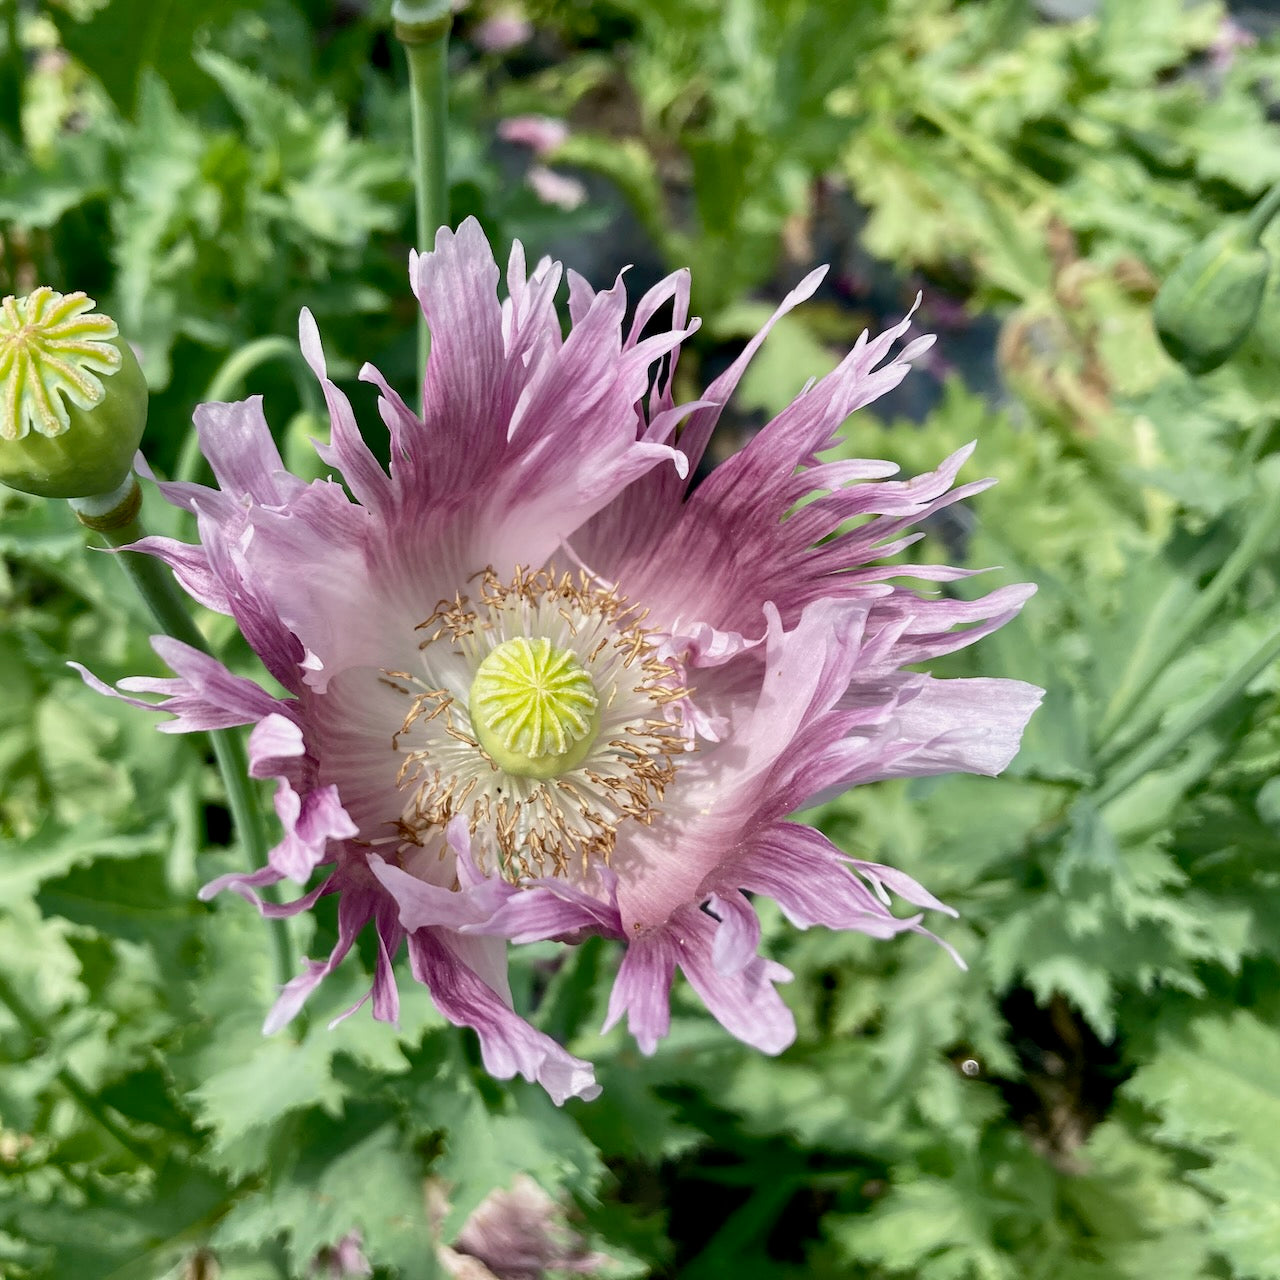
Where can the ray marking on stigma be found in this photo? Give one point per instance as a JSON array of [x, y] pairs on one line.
[[533, 707], [53, 349]]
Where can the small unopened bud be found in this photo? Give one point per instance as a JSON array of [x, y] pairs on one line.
[[73, 400], [1207, 307]]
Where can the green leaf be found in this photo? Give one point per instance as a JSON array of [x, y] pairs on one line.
[[54, 850], [1138, 1214], [130, 898], [126, 37], [485, 1148], [38, 191], [281, 1076], [112, 1232], [1217, 1092], [933, 1228], [1136, 41], [354, 1176], [247, 1089]]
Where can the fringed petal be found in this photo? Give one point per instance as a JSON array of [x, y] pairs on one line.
[[508, 1044]]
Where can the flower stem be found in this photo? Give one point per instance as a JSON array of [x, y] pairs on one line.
[[422, 27], [1263, 212], [72, 1083], [1153, 652], [230, 378], [1143, 761], [115, 518]]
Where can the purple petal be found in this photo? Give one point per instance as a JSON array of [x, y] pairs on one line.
[[204, 694], [508, 1044], [311, 820], [743, 1001], [237, 442], [642, 987], [810, 879], [357, 905], [347, 450], [553, 909], [190, 565], [969, 726], [889, 878], [428, 906], [736, 941], [274, 746]]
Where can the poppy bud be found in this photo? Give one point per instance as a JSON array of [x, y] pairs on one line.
[[1208, 306]]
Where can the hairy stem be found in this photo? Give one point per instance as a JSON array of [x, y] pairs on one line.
[[1164, 744], [1165, 638], [114, 518]]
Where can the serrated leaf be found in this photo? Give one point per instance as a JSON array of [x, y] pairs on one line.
[[1136, 41], [486, 1149], [280, 1077], [110, 1233], [38, 192], [54, 851], [247, 1088], [1218, 1092], [1142, 1218], [350, 1177], [130, 898], [932, 1228]]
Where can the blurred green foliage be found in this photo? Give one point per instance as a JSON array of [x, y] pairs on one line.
[[1096, 1097]]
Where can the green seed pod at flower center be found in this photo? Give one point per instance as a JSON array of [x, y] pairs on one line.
[[534, 708], [73, 401]]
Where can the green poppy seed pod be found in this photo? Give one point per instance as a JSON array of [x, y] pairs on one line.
[[1208, 306], [73, 400]]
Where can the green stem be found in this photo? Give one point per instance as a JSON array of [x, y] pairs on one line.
[[422, 27], [148, 40], [230, 378], [72, 1083], [744, 1227], [1260, 217], [115, 518], [984, 152], [12, 74], [1255, 441], [1152, 654], [1143, 761], [242, 362]]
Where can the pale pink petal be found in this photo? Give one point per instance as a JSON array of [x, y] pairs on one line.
[[508, 1044], [641, 989], [743, 999]]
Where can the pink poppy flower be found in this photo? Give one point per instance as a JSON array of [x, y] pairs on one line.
[[539, 685]]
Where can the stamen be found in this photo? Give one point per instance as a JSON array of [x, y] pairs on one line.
[[543, 716]]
